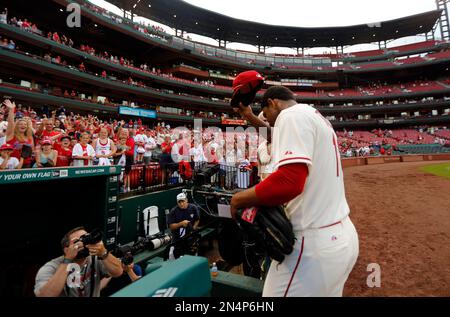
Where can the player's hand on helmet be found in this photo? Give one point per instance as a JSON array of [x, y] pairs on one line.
[[244, 111]]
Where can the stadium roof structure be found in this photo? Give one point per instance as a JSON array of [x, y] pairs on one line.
[[184, 16]]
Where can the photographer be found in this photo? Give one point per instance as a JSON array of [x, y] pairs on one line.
[[131, 273], [182, 220], [79, 271]]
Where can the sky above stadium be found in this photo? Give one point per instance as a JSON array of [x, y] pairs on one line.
[[311, 13], [308, 13]]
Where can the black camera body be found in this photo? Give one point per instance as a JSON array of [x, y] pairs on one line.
[[127, 258], [94, 237], [203, 176]]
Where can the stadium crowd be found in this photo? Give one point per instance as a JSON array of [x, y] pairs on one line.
[[372, 89], [62, 138], [59, 138]]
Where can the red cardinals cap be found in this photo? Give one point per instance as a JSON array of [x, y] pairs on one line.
[[46, 141], [6, 146], [245, 87]]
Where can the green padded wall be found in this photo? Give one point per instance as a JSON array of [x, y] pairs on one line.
[[227, 284], [129, 207], [187, 276]]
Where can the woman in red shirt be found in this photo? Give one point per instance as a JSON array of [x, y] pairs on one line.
[[20, 135]]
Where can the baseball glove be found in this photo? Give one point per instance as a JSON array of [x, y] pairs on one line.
[[270, 230]]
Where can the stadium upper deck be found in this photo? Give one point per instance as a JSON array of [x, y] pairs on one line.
[[183, 16], [355, 90]]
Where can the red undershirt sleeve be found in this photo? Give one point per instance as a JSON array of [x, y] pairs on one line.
[[283, 185]]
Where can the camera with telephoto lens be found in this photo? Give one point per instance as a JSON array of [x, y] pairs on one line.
[[125, 253], [94, 237]]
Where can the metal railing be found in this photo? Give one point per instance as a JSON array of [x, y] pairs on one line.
[[228, 177], [145, 178]]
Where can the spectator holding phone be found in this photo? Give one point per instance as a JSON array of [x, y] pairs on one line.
[[6, 161], [19, 135], [83, 153]]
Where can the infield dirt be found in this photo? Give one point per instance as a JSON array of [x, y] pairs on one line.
[[402, 216]]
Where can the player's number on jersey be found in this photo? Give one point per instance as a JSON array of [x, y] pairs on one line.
[[335, 142]]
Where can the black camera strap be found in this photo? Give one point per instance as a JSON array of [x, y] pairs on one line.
[[91, 293]]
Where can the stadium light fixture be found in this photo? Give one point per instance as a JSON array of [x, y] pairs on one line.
[[134, 6]]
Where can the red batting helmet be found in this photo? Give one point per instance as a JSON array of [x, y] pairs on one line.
[[245, 87]]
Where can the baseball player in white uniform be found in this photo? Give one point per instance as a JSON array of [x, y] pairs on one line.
[[308, 180]]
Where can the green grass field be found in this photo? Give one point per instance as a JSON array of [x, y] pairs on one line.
[[439, 170]]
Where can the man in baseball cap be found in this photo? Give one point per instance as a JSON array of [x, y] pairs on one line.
[[182, 220], [181, 197]]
